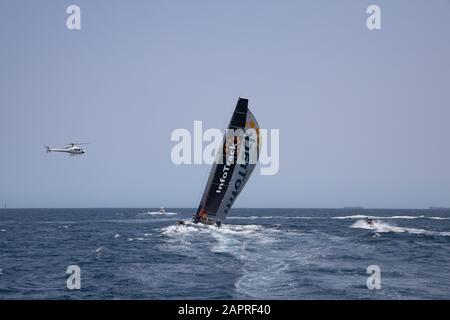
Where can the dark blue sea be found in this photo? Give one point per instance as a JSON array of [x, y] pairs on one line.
[[257, 254]]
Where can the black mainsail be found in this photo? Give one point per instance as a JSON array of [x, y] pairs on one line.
[[232, 167]]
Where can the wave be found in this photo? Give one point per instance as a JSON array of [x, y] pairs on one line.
[[274, 217], [357, 216], [190, 227], [136, 239], [157, 213], [360, 216], [58, 222], [382, 227]]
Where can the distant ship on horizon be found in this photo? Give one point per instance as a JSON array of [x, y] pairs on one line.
[[438, 208]]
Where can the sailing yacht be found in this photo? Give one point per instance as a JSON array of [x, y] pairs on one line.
[[232, 168]]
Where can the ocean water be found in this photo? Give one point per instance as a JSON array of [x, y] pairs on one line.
[[257, 254]]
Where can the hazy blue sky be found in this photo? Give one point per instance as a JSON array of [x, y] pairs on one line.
[[364, 116]]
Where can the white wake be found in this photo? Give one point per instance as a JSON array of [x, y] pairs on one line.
[[381, 227]]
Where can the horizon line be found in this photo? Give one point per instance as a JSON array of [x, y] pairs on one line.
[[194, 208]]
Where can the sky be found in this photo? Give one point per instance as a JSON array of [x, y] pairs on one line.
[[363, 114]]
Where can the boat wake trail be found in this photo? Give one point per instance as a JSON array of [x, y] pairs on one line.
[[262, 267], [264, 258], [190, 228], [380, 227]]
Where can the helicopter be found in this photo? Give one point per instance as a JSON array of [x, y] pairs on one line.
[[72, 149]]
